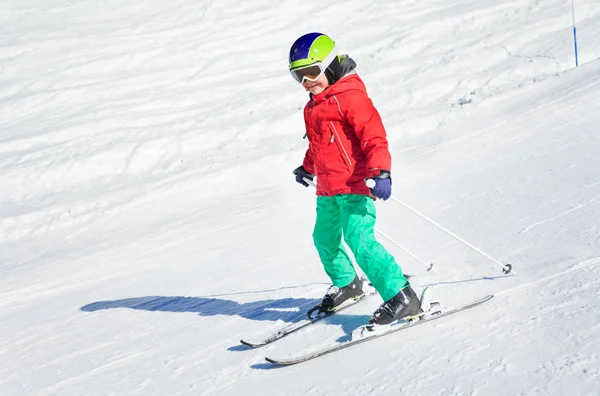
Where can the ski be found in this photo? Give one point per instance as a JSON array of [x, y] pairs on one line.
[[302, 321], [389, 330]]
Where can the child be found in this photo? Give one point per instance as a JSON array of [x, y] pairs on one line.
[[347, 145]]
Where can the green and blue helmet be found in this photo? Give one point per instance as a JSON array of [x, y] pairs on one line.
[[311, 55]]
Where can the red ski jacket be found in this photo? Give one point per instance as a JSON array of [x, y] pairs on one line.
[[347, 140]]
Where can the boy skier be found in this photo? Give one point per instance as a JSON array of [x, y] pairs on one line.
[[347, 145]]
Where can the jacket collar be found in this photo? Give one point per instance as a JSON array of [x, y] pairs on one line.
[[347, 82]]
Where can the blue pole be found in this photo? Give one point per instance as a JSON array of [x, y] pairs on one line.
[[575, 40], [575, 34]]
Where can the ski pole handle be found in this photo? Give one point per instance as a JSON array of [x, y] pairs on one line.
[[370, 183], [309, 182]]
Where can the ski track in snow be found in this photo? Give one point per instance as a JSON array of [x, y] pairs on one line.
[[149, 218]]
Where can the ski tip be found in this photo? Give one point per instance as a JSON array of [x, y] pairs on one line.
[[277, 362], [251, 344], [484, 299]]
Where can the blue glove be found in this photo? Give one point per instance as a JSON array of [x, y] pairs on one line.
[[383, 185], [301, 173]]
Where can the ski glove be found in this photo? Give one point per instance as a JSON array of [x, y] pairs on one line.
[[301, 173], [383, 185]]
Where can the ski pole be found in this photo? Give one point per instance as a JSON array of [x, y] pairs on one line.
[[575, 34], [428, 267], [506, 268]]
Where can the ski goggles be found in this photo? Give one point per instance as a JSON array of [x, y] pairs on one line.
[[313, 71]]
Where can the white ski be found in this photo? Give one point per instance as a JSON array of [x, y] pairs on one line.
[[363, 334], [302, 321]]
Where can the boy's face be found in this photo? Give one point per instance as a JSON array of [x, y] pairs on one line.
[[316, 87]]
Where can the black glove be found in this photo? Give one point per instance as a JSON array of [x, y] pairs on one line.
[[301, 173]]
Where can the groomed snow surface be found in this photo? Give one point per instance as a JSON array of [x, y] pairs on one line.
[[149, 218]]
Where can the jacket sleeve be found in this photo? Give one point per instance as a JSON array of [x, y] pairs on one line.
[[368, 126], [309, 162]]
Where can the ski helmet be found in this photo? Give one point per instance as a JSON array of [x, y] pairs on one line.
[[315, 49]]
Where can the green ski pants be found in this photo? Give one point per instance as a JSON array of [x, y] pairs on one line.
[[352, 217]]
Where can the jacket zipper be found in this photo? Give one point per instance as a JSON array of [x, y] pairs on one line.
[[340, 145]]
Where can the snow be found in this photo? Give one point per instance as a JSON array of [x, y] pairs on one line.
[[149, 218]]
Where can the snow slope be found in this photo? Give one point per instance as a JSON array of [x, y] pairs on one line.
[[149, 219]]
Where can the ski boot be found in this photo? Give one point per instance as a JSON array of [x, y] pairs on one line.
[[403, 305], [336, 297]]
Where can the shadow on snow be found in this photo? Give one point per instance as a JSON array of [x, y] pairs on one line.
[[285, 309]]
